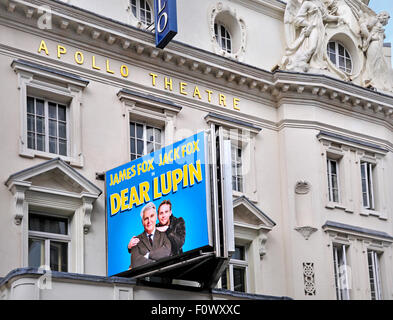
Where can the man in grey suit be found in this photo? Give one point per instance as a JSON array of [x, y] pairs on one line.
[[151, 245]]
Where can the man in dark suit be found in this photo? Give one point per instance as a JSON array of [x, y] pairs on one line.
[[175, 228], [151, 245]]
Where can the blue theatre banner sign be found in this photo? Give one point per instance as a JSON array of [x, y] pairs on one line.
[[134, 192], [165, 17]]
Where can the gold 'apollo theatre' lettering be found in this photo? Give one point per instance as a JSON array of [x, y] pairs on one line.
[[105, 65], [79, 58], [168, 84]]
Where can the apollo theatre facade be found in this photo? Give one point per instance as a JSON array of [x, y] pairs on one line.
[[301, 91]]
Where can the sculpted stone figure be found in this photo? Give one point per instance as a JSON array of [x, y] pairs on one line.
[[376, 71], [305, 32]]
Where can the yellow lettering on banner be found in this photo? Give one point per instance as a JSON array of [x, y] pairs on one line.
[[185, 176], [176, 153], [166, 183], [157, 194], [79, 58], [123, 175], [177, 176], [134, 199], [168, 84], [209, 95], [108, 68], [183, 86], [143, 192], [236, 103], [153, 78], [195, 146], [197, 93], [61, 50], [195, 173], [166, 187], [124, 71], [115, 204], [93, 64], [43, 47], [133, 171], [222, 100], [124, 198]]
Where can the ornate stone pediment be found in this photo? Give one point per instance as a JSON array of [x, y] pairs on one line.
[[247, 214], [252, 221], [53, 182], [340, 38]]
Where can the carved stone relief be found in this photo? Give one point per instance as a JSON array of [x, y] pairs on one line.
[[304, 209], [311, 24], [309, 279]]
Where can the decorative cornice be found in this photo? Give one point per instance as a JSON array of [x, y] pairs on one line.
[[34, 68], [360, 232], [179, 57], [148, 99], [324, 135], [231, 122], [271, 8]]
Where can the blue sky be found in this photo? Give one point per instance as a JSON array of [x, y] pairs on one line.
[[387, 5]]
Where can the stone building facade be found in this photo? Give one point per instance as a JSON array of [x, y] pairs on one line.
[[303, 90]]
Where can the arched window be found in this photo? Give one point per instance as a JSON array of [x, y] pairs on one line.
[[339, 56], [141, 9], [223, 37]]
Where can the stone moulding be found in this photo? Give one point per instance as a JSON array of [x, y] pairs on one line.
[[306, 231], [250, 81]]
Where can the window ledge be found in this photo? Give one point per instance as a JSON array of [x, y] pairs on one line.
[[374, 213], [30, 153], [337, 205]]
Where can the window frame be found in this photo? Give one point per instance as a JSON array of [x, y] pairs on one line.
[[145, 124], [246, 136], [137, 17], [330, 180], [147, 109], [238, 174], [237, 143], [227, 37], [48, 84], [341, 293], [338, 55], [376, 270], [241, 264], [46, 130], [368, 169], [49, 237]]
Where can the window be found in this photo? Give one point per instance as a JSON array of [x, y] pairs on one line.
[[339, 56], [47, 126], [141, 10], [236, 157], [375, 275], [235, 276], [341, 274], [367, 185], [333, 185], [242, 136], [237, 176], [223, 37], [49, 240], [50, 109], [144, 139]]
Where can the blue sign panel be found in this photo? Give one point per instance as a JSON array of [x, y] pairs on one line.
[[157, 205], [165, 17]]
